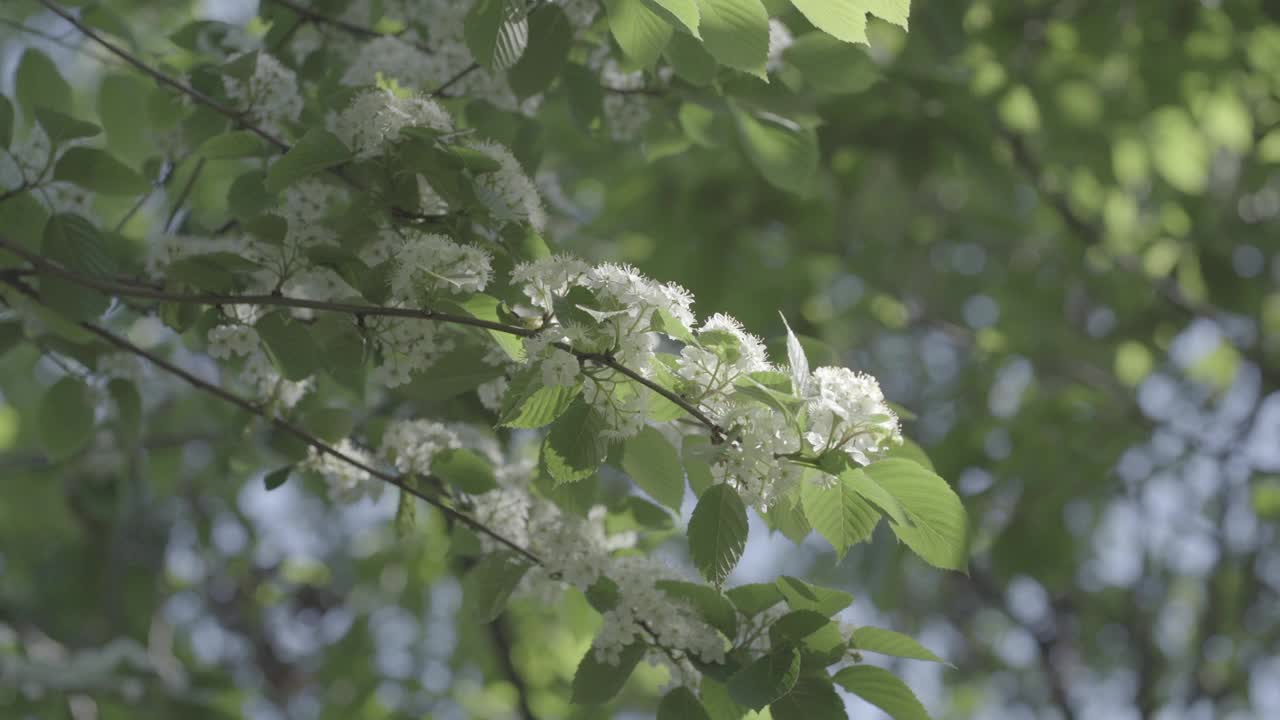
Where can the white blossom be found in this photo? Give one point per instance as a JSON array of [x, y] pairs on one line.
[[347, 483], [270, 94], [374, 119], [429, 263], [410, 444], [847, 411], [508, 192]]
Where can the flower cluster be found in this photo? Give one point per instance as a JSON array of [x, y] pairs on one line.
[[269, 95], [374, 119]]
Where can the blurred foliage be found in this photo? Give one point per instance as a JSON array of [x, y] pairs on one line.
[[1048, 227]]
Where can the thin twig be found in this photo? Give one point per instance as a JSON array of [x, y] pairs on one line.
[[348, 27]]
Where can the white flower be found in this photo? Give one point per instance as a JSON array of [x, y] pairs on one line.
[[847, 411], [547, 278], [780, 39], [560, 368], [347, 483], [374, 119], [227, 341], [270, 95], [491, 394], [508, 192], [406, 345], [427, 263], [410, 444]]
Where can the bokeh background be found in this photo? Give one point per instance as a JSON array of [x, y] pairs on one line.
[[1049, 228]]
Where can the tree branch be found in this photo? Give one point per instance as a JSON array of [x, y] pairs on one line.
[[45, 266], [339, 23]]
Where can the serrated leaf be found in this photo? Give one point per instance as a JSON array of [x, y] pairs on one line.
[[289, 345], [487, 307], [712, 605], [767, 679], [831, 66], [716, 699], [682, 13], [597, 682], [718, 532], [812, 698], [316, 151], [736, 33], [888, 642], [66, 418], [681, 704], [96, 170], [938, 532], [496, 32], [754, 598], [785, 153], [550, 40], [464, 469], [690, 60], [276, 478], [847, 20], [874, 493], [529, 404], [640, 32], [839, 513], [655, 466], [490, 583], [574, 448], [801, 595], [74, 243], [882, 689]]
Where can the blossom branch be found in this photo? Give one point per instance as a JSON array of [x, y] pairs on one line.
[[45, 266]]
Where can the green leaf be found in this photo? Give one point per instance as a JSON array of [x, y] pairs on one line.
[[289, 345], [681, 704], [597, 682], [22, 221], [129, 134], [490, 583], [464, 469], [128, 408], [406, 514], [496, 32], [754, 598], [812, 698], [795, 626], [61, 128], [847, 20], [655, 466], [641, 33], [487, 307], [66, 418], [38, 83], [317, 150], [736, 33], [683, 13], [938, 532], [767, 679], [276, 478], [529, 404], [831, 66], [838, 513], [785, 153], [235, 144], [873, 492], [882, 689], [574, 448], [6, 122], [695, 451], [97, 170], [718, 532], [716, 699], [800, 595], [690, 60], [713, 606], [458, 372], [74, 243], [888, 642], [550, 40]]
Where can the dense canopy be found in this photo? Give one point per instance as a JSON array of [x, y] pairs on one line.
[[706, 359]]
